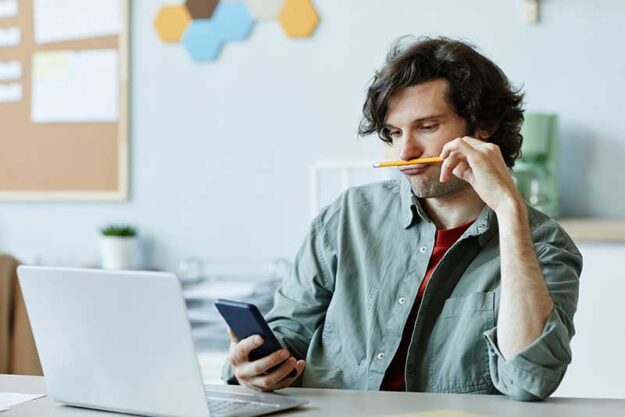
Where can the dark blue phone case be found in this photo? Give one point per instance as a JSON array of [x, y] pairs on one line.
[[245, 320]]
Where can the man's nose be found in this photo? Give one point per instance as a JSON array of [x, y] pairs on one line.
[[410, 148]]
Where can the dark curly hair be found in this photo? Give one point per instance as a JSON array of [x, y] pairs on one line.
[[478, 90]]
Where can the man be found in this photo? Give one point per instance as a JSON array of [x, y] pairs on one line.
[[443, 281]]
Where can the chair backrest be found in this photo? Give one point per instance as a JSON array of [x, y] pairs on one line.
[[18, 353], [344, 174]]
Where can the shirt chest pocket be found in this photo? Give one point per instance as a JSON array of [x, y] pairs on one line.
[[457, 355]]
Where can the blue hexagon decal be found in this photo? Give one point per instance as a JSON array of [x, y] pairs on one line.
[[234, 21], [202, 40]]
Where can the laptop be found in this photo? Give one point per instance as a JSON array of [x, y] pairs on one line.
[[120, 341]]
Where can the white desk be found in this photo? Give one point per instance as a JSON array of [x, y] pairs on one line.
[[353, 403]]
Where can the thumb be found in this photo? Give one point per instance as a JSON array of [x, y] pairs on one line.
[[233, 338]]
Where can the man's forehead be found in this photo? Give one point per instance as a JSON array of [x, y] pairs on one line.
[[419, 101]]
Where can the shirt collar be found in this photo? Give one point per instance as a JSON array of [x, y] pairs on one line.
[[411, 206], [412, 212], [409, 202]]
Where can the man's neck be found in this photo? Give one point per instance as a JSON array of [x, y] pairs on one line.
[[455, 209]]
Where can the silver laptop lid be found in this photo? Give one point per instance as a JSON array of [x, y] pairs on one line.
[[114, 340]]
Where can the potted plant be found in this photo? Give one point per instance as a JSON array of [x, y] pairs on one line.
[[118, 243]]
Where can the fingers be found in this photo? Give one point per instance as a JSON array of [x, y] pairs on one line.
[[240, 352], [287, 382], [470, 147], [462, 154], [463, 171], [450, 163], [480, 164], [459, 145], [268, 382], [473, 142], [252, 369]]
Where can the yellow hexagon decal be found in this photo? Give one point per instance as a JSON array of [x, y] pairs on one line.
[[171, 22], [298, 18]]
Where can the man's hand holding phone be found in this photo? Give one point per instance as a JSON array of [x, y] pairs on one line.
[[267, 373]]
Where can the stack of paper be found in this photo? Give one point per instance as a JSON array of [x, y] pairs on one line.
[[207, 326], [10, 399]]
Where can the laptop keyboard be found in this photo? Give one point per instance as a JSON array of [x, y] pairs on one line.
[[221, 407]]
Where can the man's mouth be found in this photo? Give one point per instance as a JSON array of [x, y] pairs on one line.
[[417, 169]]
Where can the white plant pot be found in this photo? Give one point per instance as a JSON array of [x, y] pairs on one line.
[[118, 252]]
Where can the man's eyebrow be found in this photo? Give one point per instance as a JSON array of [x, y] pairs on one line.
[[418, 120]]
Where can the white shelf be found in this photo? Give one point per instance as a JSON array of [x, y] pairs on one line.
[[594, 230]]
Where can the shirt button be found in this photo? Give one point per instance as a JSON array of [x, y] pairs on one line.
[[422, 249], [381, 355], [401, 300]]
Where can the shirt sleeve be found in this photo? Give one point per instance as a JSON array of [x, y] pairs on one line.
[[301, 301], [536, 372]]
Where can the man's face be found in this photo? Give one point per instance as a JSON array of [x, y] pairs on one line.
[[420, 122]]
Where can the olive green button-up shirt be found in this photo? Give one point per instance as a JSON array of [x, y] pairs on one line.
[[345, 303]]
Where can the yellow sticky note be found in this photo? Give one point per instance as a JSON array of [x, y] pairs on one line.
[[440, 413], [52, 64]]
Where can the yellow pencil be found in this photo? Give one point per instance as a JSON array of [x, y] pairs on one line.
[[411, 162]]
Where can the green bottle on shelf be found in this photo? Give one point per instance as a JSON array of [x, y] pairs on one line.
[[535, 173]]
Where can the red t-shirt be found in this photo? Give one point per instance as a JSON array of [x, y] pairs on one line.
[[394, 378]]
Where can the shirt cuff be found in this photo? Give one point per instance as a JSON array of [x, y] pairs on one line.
[[227, 374], [535, 372]]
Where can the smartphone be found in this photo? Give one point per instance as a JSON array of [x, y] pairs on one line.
[[245, 320]]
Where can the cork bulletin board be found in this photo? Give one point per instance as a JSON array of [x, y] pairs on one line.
[[46, 157]]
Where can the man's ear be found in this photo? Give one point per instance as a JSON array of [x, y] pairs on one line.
[[485, 134]]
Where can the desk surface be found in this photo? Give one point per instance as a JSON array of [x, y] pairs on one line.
[[352, 403]]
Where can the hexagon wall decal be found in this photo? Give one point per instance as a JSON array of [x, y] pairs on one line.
[[265, 9], [204, 26], [202, 40], [233, 21], [201, 9], [171, 22], [298, 18]]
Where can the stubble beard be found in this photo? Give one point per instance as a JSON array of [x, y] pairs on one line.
[[428, 185]]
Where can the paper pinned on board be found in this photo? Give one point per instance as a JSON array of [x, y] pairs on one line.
[[10, 93], [10, 70], [75, 86], [63, 20], [8, 8], [10, 399], [10, 36]]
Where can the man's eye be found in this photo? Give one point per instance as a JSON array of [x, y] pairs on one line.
[[429, 127], [394, 134]]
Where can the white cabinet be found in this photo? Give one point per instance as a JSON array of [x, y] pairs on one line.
[[598, 367]]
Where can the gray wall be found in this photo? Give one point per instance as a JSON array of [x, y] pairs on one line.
[[220, 152]]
